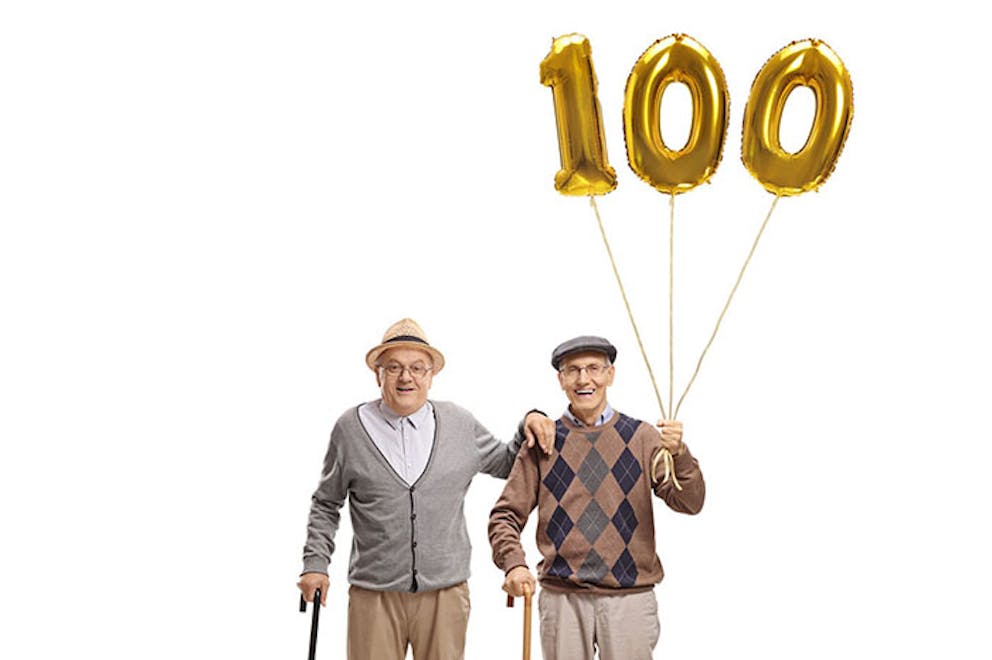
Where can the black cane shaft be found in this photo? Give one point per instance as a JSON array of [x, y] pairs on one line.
[[313, 625]]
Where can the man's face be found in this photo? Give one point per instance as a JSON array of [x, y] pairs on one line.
[[403, 391], [586, 392]]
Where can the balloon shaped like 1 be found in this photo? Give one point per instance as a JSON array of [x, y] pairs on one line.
[[567, 69], [675, 59], [813, 64]]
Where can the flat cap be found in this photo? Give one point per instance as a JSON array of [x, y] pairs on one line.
[[582, 345]]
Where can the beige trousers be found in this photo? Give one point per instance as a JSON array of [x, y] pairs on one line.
[[574, 624], [382, 623]]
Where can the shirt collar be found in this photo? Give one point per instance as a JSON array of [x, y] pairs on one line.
[[416, 418], [604, 417]]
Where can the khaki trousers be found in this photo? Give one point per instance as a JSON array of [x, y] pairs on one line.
[[574, 624], [382, 623]]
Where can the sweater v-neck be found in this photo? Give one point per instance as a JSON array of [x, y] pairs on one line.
[[572, 426]]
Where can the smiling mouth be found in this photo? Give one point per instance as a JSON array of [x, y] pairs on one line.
[[585, 392], [403, 390]]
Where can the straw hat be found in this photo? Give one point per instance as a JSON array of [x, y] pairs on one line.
[[405, 334]]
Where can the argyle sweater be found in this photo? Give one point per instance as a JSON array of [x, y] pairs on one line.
[[595, 525]]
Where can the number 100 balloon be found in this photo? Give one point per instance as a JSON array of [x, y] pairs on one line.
[[585, 168]]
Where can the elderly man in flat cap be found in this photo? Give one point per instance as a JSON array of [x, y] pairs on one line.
[[404, 464], [595, 526]]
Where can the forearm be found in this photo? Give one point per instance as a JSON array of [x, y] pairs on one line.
[[325, 509], [504, 537], [321, 528], [693, 487], [509, 515]]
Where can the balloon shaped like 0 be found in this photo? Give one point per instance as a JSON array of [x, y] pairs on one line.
[[567, 69], [811, 63], [675, 59]]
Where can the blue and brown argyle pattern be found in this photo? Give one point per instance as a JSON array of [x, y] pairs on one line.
[[593, 521], [593, 495]]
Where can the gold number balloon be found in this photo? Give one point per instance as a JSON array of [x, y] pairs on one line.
[[811, 63], [675, 59], [567, 69]]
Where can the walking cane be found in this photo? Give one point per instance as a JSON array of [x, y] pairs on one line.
[[313, 622], [509, 603]]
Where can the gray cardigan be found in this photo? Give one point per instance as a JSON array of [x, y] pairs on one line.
[[406, 538]]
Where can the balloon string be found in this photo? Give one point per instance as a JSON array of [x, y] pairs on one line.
[[671, 296], [623, 293], [727, 305], [666, 456]]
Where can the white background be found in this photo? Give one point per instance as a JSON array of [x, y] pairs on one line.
[[210, 210]]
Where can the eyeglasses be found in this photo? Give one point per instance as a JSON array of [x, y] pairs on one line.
[[595, 370], [417, 370]]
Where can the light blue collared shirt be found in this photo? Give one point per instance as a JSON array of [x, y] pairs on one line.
[[604, 417], [405, 442]]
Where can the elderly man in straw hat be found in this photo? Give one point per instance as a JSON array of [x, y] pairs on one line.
[[404, 463], [595, 525]]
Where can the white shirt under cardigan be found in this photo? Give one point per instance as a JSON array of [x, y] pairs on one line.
[[406, 442]]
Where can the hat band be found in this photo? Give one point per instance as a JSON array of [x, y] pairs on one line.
[[406, 338]]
